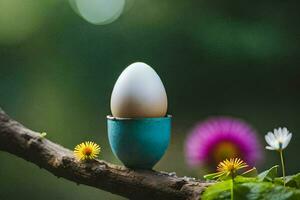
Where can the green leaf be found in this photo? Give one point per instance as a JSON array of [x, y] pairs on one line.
[[268, 175], [242, 179], [290, 181], [220, 190], [265, 190], [43, 134], [250, 173], [249, 190], [266, 186], [293, 181]]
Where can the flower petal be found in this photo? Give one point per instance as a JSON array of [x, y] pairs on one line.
[[285, 132], [268, 140], [270, 148], [272, 140], [276, 133], [287, 141]]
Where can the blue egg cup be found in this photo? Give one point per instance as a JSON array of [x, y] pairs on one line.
[[139, 143]]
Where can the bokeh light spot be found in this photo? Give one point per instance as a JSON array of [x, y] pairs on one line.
[[98, 12]]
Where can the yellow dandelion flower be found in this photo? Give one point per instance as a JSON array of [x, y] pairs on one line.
[[226, 168], [87, 151], [231, 166]]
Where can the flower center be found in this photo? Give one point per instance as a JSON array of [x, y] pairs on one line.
[[230, 167], [280, 144], [225, 150], [87, 151]]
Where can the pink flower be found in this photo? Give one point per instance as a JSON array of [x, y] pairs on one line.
[[221, 138]]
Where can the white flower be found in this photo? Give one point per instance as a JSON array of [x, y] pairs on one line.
[[279, 139]]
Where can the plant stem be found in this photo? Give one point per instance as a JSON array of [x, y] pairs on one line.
[[232, 188], [282, 166]]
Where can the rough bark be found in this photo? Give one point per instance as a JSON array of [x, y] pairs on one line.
[[134, 184]]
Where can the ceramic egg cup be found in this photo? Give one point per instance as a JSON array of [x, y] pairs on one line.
[[139, 143]]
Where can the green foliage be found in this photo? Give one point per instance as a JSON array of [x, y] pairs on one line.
[[265, 185], [43, 134], [250, 173], [268, 175], [292, 181], [265, 190], [220, 190]]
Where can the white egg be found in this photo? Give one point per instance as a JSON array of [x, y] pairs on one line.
[[139, 92]]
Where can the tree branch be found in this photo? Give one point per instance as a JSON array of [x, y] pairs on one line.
[[134, 184]]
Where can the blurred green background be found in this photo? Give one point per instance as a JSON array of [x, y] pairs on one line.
[[57, 71]]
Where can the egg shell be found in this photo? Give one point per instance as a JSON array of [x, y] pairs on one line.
[[139, 93]]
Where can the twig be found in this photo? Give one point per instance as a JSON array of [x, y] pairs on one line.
[[134, 184]]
